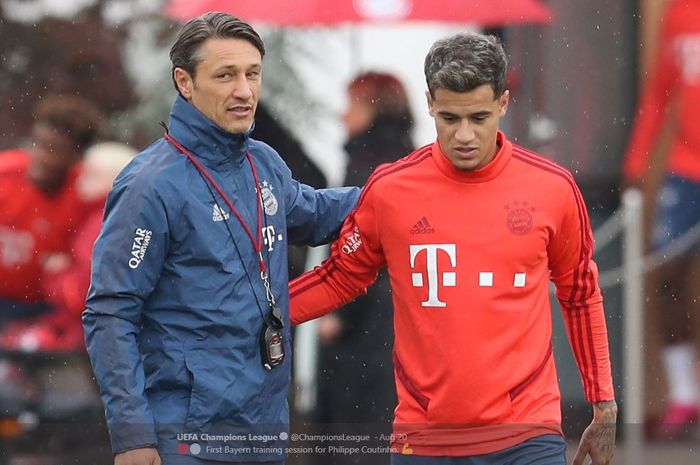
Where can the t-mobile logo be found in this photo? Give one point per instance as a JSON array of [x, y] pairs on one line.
[[269, 237], [448, 278]]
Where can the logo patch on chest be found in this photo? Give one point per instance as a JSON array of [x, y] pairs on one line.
[[519, 217], [268, 198]]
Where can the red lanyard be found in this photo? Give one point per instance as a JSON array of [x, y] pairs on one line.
[[257, 244]]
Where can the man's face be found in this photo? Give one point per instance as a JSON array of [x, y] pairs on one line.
[[467, 124], [227, 83], [52, 156]]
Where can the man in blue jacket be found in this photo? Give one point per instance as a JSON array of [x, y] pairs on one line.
[[187, 320]]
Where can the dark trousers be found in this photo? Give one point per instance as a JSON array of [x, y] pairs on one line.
[[543, 450]]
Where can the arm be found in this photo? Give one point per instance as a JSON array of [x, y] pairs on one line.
[[127, 261], [355, 260], [576, 278], [314, 216]]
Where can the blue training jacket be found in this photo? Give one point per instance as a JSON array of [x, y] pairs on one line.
[[176, 305]]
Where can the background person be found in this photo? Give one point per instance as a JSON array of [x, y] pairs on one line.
[[39, 203], [65, 276], [356, 381], [664, 157]]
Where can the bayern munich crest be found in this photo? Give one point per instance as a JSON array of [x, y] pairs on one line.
[[519, 217], [268, 198]]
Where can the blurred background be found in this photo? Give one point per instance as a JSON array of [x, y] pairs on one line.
[[577, 72]]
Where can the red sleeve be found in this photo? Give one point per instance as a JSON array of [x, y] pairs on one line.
[[355, 260], [575, 275], [653, 107]]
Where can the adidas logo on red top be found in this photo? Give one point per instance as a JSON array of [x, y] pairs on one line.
[[422, 227]]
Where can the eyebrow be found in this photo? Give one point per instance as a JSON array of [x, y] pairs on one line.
[[235, 67], [481, 113], [471, 115]]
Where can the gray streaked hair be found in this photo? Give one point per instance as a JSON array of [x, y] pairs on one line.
[[463, 62], [185, 52]]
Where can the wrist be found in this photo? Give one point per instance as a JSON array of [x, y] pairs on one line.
[[605, 411]]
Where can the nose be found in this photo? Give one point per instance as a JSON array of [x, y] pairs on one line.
[[242, 89], [465, 132]]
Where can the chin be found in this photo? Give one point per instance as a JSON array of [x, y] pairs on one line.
[[239, 127]]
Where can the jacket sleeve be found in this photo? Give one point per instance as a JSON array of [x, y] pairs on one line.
[[127, 261], [314, 216], [653, 107], [575, 275], [356, 257]]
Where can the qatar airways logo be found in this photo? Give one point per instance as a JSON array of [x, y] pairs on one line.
[[142, 238], [352, 242]]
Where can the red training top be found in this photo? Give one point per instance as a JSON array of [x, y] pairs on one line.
[[470, 256], [32, 225]]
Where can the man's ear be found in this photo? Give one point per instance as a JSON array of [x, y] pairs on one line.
[[429, 98], [503, 103], [184, 82]]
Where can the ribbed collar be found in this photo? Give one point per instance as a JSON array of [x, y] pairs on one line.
[[487, 173], [204, 138]]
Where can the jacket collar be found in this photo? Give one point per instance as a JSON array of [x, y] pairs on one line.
[[486, 173], [204, 138]]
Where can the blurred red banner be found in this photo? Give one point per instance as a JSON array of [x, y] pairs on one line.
[[305, 13]]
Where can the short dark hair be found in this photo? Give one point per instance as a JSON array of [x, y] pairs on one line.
[[218, 25], [463, 62], [74, 116]]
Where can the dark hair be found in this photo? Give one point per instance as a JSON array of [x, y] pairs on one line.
[[386, 94], [74, 116], [463, 62], [218, 25]]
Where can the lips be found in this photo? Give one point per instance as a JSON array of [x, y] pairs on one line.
[[240, 110], [466, 152]]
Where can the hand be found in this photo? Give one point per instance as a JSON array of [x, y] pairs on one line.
[[330, 328], [598, 440], [143, 456]]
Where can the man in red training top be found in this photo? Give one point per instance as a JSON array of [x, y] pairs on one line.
[[671, 101], [472, 228]]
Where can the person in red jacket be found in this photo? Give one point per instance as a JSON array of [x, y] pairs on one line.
[[472, 228], [670, 102], [39, 206], [39, 210], [65, 277]]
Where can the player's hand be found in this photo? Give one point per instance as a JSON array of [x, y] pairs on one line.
[[330, 329], [598, 440], [143, 456]]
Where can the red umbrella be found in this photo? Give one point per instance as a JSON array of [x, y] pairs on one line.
[[333, 12]]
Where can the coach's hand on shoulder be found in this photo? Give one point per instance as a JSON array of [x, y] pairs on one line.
[[143, 456], [598, 440]]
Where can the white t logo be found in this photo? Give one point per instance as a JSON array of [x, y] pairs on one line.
[[448, 278], [269, 237]]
